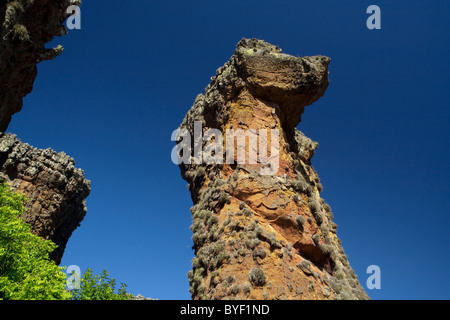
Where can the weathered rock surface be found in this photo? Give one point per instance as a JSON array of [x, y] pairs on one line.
[[26, 26], [55, 188], [264, 236]]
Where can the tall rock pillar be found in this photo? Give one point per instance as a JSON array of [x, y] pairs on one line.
[[261, 230]]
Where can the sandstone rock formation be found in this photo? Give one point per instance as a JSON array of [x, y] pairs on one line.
[[26, 26], [55, 188], [263, 236]]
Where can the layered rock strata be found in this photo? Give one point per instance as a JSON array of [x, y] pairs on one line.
[[56, 189], [263, 236]]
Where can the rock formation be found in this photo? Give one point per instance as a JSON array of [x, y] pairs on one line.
[[263, 236], [26, 26], [55, 188]]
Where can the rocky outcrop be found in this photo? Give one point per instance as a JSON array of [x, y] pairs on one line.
[[255, 235], [55, 188], [26, 26]]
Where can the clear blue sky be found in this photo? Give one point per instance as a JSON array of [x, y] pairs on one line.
[[128, 77]]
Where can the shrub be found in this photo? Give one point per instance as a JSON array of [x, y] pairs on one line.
[[242, 252], [99, 287], [200, 171], [316, 238], [313, 206], [26, 272], [274, 242], [196, 263], [300, 220], [327, 207], [319, 187], [304, 265], [252, 243], [225, 198], [247, 212], [226, 222], [333, 227], [212, 221], [311, 286], [262, 253], [290, 286], [247, 288], [316, 210], [288, 249], [300, 185], [257, 276], [201, 289], [20, 32], [230, 279], [235, 289], [259, 232], [213, 279]]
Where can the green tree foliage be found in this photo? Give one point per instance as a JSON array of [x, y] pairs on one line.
[[99, 287], [26, 272]]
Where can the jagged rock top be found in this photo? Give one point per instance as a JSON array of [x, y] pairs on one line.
[[291, 83], [56, 189]]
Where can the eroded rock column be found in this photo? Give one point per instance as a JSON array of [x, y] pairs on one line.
[[263, 236]]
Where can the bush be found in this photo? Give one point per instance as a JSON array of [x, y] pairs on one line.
[[316, 238], [99, 287], [247, 212], [300, 220], [247, 288], [257, 276], [235, 289], [259, 253], [26, 272], [20, 32]]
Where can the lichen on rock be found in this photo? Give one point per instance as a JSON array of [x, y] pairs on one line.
[[264, 236]]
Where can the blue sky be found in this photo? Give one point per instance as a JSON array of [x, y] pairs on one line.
[[128, 77]]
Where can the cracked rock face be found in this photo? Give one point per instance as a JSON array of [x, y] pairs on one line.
[[55, 188], [25, 26], [264, 236]]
